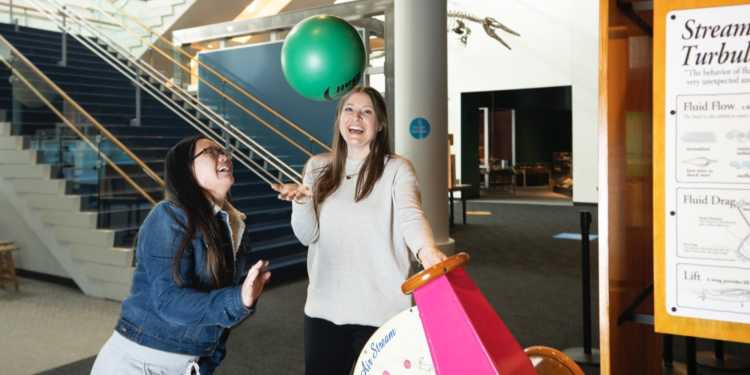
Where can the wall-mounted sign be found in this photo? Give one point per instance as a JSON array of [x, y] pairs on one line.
[[419, 128], [707, 164]]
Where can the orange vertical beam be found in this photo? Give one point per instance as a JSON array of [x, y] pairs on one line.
[[625, 212]]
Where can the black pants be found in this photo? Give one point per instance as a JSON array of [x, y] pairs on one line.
[[332, 349]]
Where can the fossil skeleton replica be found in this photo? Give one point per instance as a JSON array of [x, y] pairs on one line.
[[489, 24]]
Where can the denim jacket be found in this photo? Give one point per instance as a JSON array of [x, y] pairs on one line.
[[193, 319]]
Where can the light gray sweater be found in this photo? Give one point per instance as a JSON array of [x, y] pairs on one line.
[[359, 256]]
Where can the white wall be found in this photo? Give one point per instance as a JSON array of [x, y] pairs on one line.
[[559, 46]]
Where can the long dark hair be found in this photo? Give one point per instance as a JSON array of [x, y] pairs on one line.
[[183, 190], [332, 174]]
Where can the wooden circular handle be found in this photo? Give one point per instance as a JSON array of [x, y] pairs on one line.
[[429, 274], [538, 354]]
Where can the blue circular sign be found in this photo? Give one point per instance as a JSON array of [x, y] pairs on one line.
[[419, 128]]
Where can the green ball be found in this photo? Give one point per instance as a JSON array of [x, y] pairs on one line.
[[323, 57]]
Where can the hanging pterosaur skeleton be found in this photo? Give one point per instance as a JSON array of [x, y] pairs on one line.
[[489, 24]]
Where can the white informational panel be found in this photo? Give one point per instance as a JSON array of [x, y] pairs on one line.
[[707, 163], [398, 347]]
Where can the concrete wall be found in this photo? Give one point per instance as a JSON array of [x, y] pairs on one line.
[[33, 255], [558, 47]]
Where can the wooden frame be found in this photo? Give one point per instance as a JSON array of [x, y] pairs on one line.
[[665, 323], [625, 183]]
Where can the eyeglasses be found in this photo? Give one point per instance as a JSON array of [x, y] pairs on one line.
[[214, 152]]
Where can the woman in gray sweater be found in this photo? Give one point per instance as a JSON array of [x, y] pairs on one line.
[[359, 211]]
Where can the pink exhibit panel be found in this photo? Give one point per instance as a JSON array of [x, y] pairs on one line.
[[464, 333]]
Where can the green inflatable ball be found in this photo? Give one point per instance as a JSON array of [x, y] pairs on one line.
[[323, 57]]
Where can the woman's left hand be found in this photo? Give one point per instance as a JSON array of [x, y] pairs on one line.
[[256, 279], [430, 256]]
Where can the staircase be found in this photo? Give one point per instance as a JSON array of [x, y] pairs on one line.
[[88, 254], [98, 224], [159, 15]]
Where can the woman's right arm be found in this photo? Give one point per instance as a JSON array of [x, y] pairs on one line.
[[303, 222], [159, 238]]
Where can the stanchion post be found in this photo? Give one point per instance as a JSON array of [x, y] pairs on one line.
[[690, 359], [586, 355], [586, 280], [667, 354]]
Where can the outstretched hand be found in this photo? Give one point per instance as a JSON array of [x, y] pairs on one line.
[[293, 192], [256, 279]]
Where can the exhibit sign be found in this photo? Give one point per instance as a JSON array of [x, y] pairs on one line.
[[706, 164]]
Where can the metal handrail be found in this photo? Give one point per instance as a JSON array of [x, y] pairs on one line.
[[223, 79], [205, 111], [127, 69], [75, 129], [232, 100]]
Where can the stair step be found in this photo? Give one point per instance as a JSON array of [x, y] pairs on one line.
[[26, 39], [65, 203], [251, 203], [112, 290], [126, 236], [23, 157], [31, 32], [113, 256], [13, 143], [108, 273], [276, 213], [54, 52], [270, 230], [25, 171], [275, 243], [285, 262], [95, 237], [146, 130], [39, 185], [277, 248], [133, 201], [93, 191], [84, 220], [53, 68]]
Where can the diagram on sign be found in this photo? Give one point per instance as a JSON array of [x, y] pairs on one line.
[[713, 224], [701, 161], [736, 295], [713, 138], [743, 250], [714, 288]]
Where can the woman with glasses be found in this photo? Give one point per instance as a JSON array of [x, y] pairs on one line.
[[358, 209], [192, 281]]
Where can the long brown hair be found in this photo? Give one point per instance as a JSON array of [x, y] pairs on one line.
[[183, 190], [370, 172]]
